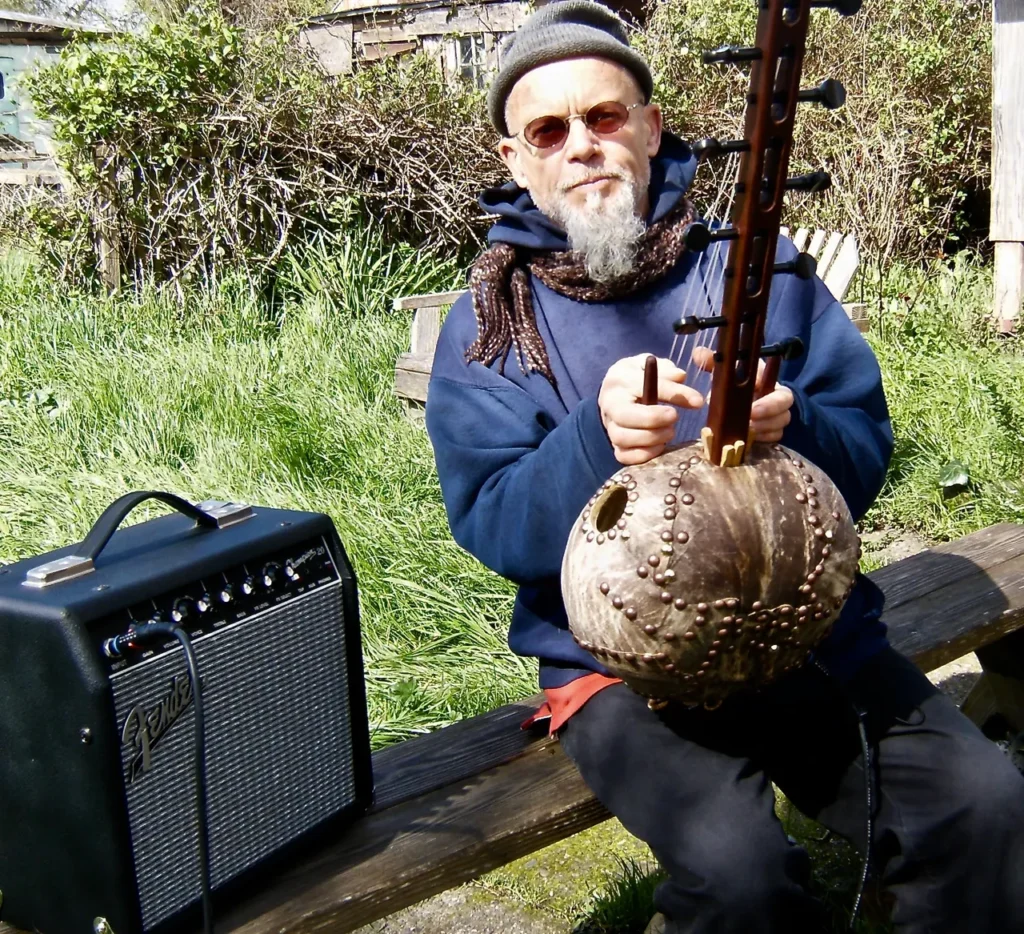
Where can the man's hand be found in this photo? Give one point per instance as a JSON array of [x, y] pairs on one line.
[[770, 413], [640, 432]]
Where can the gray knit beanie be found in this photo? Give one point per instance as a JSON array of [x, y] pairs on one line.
[[566, 29]]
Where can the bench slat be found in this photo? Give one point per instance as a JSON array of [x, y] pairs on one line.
[[843, 267], [433, 300], [828, 254], [921, 574], [422, 847], [408, 769], [425, 331], [957, 619], [817, 241], [412, 375]]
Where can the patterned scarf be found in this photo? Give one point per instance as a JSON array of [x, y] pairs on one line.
[[501, 290]]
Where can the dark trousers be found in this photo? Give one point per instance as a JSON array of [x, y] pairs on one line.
[[695, 785]]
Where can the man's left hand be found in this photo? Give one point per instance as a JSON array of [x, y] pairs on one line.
[[770, 412]]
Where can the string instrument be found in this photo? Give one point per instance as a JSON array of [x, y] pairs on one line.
[[721, 564]]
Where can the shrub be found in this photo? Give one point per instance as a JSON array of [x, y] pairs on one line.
[[208, 146], [910, 147]]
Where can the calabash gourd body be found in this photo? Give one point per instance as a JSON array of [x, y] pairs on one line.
[[692, 582]]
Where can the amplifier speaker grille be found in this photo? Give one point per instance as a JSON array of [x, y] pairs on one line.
[[278, 755]]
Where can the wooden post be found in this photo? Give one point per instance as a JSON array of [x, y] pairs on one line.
[[108, 251], [1009, 283], [1007, 227]]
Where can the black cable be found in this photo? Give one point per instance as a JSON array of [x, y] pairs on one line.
[[115, 647], [865, 750]]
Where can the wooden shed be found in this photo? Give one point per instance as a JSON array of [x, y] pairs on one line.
[[464, 37], [27, 41]]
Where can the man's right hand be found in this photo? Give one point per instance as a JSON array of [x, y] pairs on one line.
[[638, 432]]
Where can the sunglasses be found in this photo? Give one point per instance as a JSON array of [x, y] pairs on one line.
[[603, 119]]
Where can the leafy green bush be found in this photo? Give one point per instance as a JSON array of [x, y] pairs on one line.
[[159, 85], [912, 143], [204, 146]]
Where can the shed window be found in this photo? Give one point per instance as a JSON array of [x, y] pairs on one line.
[[472, 59]]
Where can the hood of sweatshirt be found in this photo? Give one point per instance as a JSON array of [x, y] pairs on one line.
[[521, 223]]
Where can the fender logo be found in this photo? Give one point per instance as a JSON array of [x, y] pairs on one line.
[[143, 728]]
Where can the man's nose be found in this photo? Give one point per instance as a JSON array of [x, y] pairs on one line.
[[581, 143]]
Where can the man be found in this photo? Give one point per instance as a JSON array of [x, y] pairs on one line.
[[533, 403]]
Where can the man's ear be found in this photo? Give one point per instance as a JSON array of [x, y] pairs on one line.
[[653, 119], [509, 152]]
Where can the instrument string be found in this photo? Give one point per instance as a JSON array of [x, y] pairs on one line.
[[713, 286], [681, 342]]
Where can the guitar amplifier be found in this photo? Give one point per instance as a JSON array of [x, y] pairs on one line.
[[99, 826]]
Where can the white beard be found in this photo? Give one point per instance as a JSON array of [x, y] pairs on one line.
[[606, 230]]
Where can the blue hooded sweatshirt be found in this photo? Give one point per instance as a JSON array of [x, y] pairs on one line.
[[518, 457]]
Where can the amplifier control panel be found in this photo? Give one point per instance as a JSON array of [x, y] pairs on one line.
[[223, 598]]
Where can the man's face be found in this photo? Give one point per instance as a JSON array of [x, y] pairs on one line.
[[588, 167]]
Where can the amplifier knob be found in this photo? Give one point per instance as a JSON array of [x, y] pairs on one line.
[[291, 573], [248, 586], [270, 574], [227, 594], [182, 609], [204, 603]]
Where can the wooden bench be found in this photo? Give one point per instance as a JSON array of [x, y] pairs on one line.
[[459, 802], [837, 256]]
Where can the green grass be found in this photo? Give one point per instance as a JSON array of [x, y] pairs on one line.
[[218, 399], [290, 403], [625, 904], [956, 394]]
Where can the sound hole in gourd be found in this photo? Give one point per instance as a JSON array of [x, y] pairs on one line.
[[609, 508]]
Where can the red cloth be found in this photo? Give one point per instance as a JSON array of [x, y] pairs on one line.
[[563, 702]]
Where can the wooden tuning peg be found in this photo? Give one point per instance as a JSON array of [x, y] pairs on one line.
[[830, 94], [842, 7], [731, 54], [650, 395], [813, 183], [691, 324], [803, 267], [774, 354], [698, 235], [709, 146]]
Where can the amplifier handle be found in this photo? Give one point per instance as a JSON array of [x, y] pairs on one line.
[[106, 525], [210, 514]]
